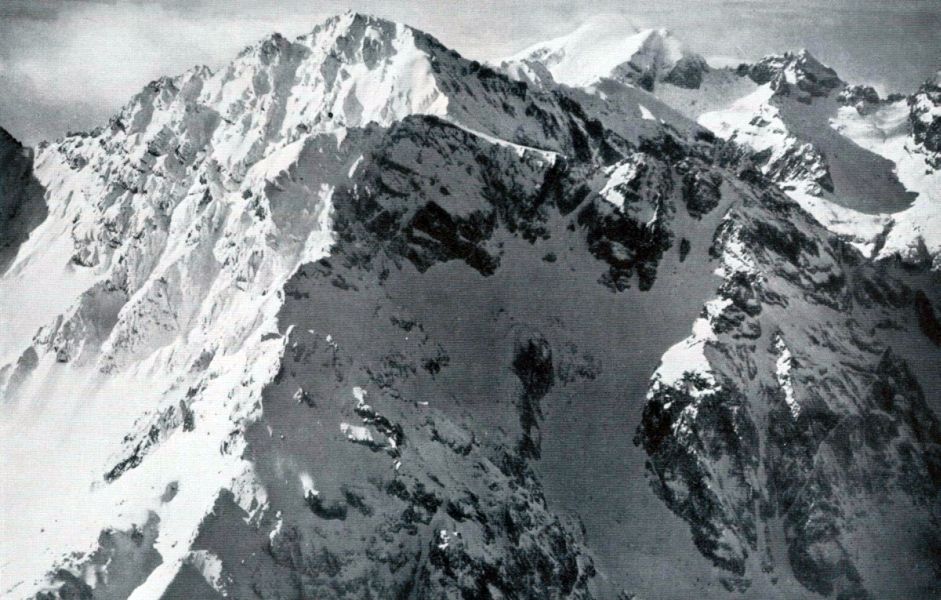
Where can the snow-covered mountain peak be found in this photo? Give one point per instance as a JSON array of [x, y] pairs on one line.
[[613, 48], [350, 70]]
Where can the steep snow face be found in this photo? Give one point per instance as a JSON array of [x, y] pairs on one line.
[[684, 365], [170, 322], [347, 72], [605, 47]]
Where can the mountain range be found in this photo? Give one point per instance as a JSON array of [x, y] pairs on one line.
[[354, 316]]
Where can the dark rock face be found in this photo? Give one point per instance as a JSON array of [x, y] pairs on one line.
[[419, 501], [853, 94], [927, 318], [532, 364], [120, 564], [701, 191], [809, 75], [863, 97], [926, 129], [687, 72], [421, 219], [629, 247], [753, 457], [22, 205], [873, 452], [670, 418]]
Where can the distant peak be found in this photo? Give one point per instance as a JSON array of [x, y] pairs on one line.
[[613, 47], [800, 69]]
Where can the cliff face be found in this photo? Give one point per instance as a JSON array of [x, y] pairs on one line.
[[22, 206], [357, 317], [925, 118]]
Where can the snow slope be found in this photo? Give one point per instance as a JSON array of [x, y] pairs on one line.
[[607, 47]]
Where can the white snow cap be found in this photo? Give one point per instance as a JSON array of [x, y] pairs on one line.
[[602, 44]]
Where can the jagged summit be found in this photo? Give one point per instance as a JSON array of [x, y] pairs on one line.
[[350, 71], [800, 69], [925, 118]]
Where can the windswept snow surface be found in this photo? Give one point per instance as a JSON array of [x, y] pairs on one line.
[[598, 47]]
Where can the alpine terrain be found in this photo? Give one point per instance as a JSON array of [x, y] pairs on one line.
[[357, 317]]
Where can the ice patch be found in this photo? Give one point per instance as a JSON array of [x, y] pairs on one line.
[[783, 367], [618, 176], [356, 433], [307, 484], [355, 166], [360, 395]]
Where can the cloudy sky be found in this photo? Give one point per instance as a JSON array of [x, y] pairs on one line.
[[70, 64]]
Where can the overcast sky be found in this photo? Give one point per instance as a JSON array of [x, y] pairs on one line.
[[70, 64]]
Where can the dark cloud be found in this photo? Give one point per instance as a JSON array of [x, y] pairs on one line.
[[72, 63], [42, 10]]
